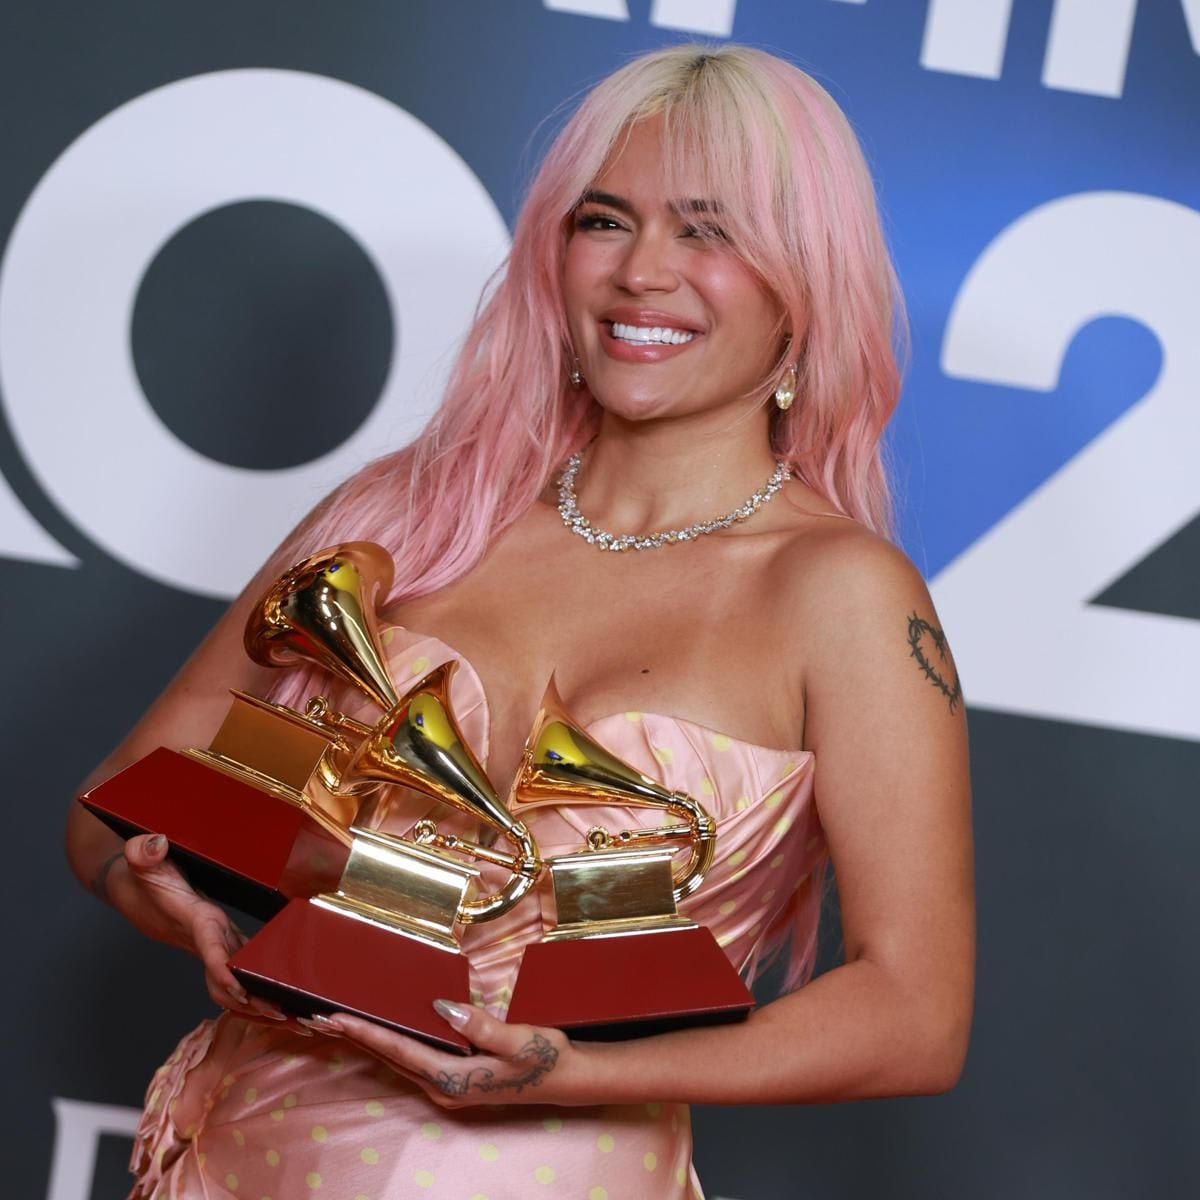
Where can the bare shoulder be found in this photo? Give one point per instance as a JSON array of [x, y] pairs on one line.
[[859, 616], [830, 568]]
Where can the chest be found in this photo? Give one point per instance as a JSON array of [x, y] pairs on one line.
[[686, 631]]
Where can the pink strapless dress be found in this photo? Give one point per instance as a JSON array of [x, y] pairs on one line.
[[254, 1112]]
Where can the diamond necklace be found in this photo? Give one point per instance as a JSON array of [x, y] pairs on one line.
[[576, 522]]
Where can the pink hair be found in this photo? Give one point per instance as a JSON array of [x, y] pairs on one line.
[[796, 200]]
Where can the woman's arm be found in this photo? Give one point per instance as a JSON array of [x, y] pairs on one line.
[[135, 877], [885, 720]]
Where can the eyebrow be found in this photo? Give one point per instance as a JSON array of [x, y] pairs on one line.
[[592, 196]]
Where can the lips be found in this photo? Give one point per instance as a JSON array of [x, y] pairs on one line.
[[639, 335], [649, 318]]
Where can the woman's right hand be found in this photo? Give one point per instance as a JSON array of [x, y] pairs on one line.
[[151, 892]]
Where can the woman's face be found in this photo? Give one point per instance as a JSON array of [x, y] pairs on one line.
[[666, 320]]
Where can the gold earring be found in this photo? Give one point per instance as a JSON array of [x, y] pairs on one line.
[[785, 393]]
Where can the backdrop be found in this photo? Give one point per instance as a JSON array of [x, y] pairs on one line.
[[240, 242]]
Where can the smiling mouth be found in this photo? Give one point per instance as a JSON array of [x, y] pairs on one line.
[[649, 335]]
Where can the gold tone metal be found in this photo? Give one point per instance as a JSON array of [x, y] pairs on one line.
[[323, 611], [611, 885], [418, 744], [276, 750], [320, 611], [563, 764], [402, 886], [277, 741]]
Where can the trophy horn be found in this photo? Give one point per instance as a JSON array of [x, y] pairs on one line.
[[323, 610], [419, 745], [563, 764]]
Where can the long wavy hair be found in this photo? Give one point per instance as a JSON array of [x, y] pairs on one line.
[[796, 200]]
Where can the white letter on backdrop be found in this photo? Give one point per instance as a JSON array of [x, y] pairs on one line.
[[78, 1128], [713, 17], [95, 221], [22, 538], [966, 37], [1088, 47], [1016, 601], [611, 10]]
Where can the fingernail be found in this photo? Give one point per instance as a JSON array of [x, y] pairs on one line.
[[240, 994], [455, 1015], [156, 843], [321, 1024]]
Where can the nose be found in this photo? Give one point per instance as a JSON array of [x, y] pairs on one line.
[[646, 265]]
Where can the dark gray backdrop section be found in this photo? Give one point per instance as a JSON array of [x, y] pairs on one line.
[[1083, 1069]]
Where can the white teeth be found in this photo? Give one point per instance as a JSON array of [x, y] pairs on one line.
[[657, 333]]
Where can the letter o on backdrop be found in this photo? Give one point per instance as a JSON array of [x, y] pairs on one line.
[[93, 225]]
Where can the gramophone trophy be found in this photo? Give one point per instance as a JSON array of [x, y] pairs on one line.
[[263, 815], [382, 943], [621, 961]]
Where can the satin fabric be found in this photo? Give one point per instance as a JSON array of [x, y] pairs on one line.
[[243, 1109]]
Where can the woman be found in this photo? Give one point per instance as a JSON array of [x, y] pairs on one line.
[[699, 250]]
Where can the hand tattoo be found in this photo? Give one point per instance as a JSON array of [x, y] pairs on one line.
[[917, 627], [536, 1059]]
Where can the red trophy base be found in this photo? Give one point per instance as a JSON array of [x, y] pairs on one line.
[[310, 959], [235, 842], [605, 989]]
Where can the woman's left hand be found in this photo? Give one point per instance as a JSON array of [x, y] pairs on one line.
[[519, 1064]]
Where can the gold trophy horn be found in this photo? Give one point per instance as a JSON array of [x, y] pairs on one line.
[[608, 896], [322, 612], [563, 764]]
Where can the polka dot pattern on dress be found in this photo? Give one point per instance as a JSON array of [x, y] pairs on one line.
[[383, 1136]]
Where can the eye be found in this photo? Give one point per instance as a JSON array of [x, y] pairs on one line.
[[596, 221], [705, 232]]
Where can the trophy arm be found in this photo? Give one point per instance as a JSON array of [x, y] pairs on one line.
[[526, 866], [703, 830]]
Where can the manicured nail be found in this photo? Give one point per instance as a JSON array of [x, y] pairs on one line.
[[321, 1024], [240, 994], [156, 843], [455, 1015]]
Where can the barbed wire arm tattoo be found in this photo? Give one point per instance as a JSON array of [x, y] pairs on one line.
[[918, 627], [537, 1058]]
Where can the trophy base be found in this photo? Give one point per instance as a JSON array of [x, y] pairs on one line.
[[235, 842], [311, 959], [632, 985]]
